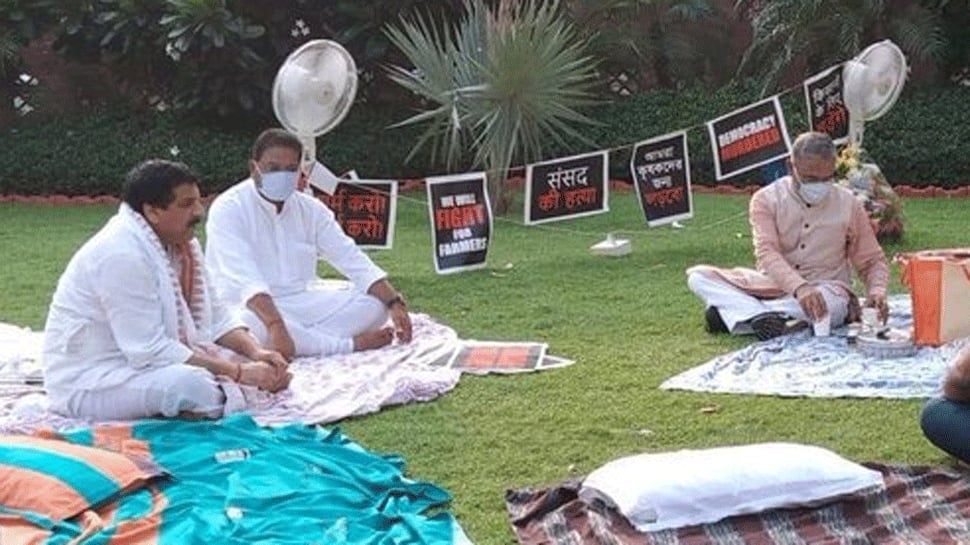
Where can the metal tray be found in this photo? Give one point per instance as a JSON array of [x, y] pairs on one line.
[[898, 344]]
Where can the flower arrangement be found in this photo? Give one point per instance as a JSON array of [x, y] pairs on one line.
[[864, 179]]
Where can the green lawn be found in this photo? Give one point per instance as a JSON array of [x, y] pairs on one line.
[[629, 322]]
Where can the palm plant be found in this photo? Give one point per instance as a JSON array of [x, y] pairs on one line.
[[827, 32], [500, 84]]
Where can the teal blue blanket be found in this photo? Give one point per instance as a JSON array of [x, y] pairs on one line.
[[290, 485]]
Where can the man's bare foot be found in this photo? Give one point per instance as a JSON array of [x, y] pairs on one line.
[[188, 415], [369, 340]]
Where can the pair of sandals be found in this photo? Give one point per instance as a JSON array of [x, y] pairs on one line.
[[765, 326]]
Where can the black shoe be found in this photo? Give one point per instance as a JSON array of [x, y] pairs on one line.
[[713, 322], [768, 326]]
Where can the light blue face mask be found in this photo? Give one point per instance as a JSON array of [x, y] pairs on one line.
[[814, 192], [278, 185]]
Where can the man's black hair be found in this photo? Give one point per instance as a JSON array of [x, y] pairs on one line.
[[154, 181], [272, 138]]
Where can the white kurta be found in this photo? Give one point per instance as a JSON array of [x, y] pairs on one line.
[[251, 249], [114, 316]]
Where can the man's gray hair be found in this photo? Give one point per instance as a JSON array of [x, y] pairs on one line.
[[813, 144]]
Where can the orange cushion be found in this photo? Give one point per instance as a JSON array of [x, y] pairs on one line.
[[59, 480]]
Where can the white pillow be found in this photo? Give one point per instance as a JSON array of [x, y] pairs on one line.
[[673, 489]]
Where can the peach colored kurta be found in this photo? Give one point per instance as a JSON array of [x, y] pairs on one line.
[[797, 243]]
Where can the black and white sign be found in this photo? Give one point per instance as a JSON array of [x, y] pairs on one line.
[[826, 105], [461, 221], [566, 188], [365, 209], [660, 168], [748, 138]]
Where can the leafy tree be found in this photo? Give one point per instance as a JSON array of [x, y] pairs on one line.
[[956, 28], [501, 83], [827, 32], [218, 56], [668, 42], [191, 54], [20, 23], [219, 50], [359, 26]]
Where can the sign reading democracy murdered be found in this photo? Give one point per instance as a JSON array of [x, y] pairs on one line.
[[826, 104], [566, 188], [365, 209], [461, 221], [660, 168], [748, 138]]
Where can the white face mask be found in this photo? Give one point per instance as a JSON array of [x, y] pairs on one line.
[[814, 192], [277, 186]]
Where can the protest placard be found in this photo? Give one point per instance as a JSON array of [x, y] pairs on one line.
[[461, 221], [660, 168], [566, 188], [748, 138], [365, 209], [826, 105]]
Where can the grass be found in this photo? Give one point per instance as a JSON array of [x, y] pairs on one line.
[[629, 322]]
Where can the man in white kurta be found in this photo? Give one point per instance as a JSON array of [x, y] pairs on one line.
[[264, 241], [130, 329]]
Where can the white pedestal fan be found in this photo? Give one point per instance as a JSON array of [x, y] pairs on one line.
[[872, 80], [312, 93]]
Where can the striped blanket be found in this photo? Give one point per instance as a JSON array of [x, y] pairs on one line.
[[233, 483], [919, 505]]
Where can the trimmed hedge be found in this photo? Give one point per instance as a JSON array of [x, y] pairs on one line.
[[924, 140], [90, 154]]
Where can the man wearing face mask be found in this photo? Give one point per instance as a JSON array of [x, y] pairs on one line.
[[808, 235], [264, 239]]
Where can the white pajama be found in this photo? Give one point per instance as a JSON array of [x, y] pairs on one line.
[[164, 391], [341, 314], [737, 307]]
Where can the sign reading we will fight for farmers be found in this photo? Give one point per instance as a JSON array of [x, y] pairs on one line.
[[748, 138], [826, 105], [461, 221], [566, 188]]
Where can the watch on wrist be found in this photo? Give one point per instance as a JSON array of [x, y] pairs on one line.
[[397, 299]]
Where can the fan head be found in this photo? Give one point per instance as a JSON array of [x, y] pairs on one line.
[[314, 88], [874, 79]]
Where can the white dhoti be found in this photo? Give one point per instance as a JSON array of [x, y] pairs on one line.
[[163, 391], [738, 307], [324, 319]]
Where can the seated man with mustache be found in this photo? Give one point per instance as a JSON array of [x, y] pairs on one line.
[[130, 329]]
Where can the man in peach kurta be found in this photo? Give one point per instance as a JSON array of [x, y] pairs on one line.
[[808, 236]]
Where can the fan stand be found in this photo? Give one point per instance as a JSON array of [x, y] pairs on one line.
[[857, 129], [611, 247]]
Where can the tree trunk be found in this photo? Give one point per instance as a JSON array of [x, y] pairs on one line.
[[499, 192], [661, 64]]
